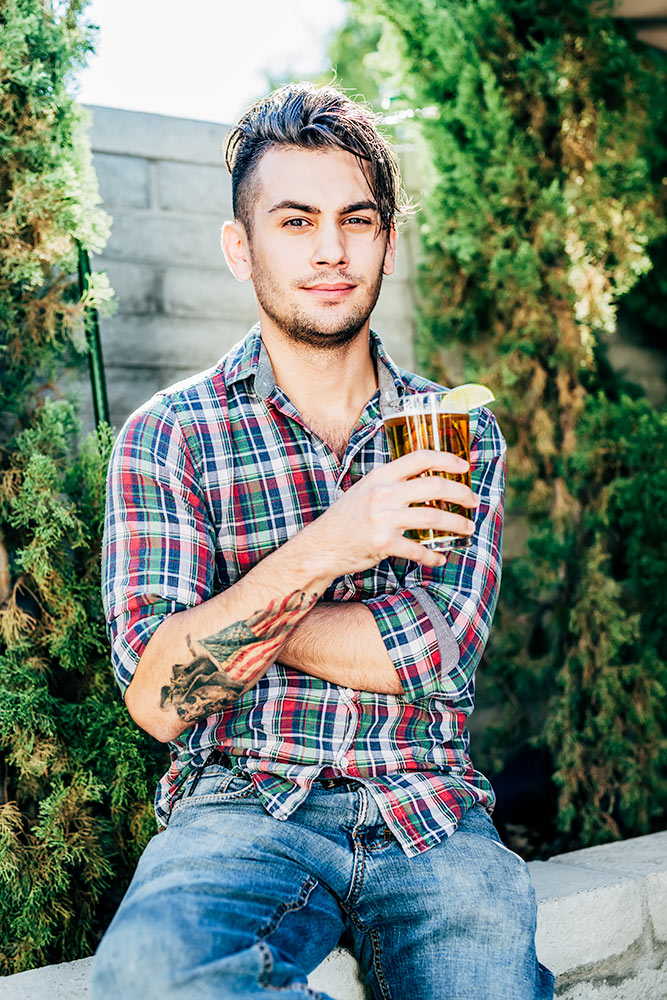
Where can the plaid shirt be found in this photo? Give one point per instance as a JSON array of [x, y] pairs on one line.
[[213, 474]]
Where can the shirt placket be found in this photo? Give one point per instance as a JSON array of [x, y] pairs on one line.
[[339, 479], [343, 756]]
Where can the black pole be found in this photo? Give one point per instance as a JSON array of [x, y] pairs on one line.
[[95, 363]]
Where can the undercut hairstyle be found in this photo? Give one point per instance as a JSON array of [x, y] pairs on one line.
[[311, 117]]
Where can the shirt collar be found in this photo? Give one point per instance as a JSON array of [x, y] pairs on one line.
[[250, 360]]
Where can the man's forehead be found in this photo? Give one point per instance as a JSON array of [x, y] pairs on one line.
[[312, 176]]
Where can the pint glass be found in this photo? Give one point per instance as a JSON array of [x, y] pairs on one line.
[[426, 420]]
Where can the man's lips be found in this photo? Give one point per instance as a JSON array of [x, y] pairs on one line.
[[330, 290]]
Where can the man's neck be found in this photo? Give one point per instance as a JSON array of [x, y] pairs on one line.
[[323, 384]]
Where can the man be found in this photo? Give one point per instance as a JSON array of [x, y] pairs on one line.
[[311, 667]]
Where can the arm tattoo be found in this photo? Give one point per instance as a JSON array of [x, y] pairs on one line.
[[232, 659]]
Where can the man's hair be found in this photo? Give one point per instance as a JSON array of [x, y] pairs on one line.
[[311, 117]]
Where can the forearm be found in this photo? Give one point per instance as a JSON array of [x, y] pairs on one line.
[[199, 660], [340, 643]]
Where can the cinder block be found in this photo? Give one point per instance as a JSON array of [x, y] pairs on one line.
[[75, 384], [396, 335], [136, 286], [656, 891], [66, 981], [161, 237], [639, 856], [393, 321], [156, 137], [122, 180], [585, 916], [168, 342], [650, 984], [195, 188], [338, 977], [208, 293], [129, 388]]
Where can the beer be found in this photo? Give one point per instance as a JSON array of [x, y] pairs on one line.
[[425, 427]]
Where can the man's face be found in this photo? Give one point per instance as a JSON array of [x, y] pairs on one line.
[[317, 254]]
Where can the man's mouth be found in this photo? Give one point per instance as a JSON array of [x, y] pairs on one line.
[[330, 289]]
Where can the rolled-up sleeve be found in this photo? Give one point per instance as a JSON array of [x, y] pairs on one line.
[[158, 545], [435, 627]]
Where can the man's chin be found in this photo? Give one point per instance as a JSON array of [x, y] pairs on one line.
[[320, 330], [324, 337]]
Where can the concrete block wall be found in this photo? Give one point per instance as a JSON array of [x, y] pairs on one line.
[[164, 183], [602, 930]]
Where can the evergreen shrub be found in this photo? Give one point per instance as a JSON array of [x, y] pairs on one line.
[[77, 776], [541, 131]]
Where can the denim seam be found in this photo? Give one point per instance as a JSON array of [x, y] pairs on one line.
[[359, 869], [359, 853], [377, 963], [284, 908], [376, 949]]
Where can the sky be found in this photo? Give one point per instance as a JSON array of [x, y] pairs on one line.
[[209, 64]]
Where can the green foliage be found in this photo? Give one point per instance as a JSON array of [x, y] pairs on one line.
[[541, 135], [49, 196], [583, 628], [76, 775]]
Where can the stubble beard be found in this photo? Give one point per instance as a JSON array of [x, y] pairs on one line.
[[299, 327]]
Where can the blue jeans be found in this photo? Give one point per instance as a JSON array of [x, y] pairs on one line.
[[229, 902]]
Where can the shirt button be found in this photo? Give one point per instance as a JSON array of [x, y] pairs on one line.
[[344, 763], [349, 692]]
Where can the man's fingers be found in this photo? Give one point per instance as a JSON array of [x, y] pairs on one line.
[[431, 518], [428, 488], [419, 553], [416, 462]]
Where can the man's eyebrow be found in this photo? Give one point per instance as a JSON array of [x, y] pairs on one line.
[[296, 206], [357, 206]]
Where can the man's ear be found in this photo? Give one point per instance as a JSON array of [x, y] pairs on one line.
[[235, 248], [390, 252]]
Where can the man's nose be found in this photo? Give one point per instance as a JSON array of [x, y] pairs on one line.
[[329, 248]]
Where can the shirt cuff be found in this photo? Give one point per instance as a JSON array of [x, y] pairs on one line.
[[130, 634], [419, 648]]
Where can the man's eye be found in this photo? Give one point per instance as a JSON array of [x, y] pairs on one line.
[[296, 223], [358, 220]]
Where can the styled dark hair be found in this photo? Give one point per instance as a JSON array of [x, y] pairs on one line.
[[310, 117]]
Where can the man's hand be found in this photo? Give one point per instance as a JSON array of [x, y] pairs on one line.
[[367, 523]]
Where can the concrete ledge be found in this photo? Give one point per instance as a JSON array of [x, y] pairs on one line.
[[602, 929]]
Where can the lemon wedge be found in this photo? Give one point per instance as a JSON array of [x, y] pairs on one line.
[[470, 396]]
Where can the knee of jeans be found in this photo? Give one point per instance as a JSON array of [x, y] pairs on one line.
[[125, 970], [130, 976], [103, 979]]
